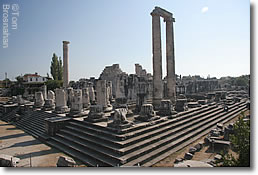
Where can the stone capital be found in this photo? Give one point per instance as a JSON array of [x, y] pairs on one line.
[[169, 19], [66, 42], [155, 13]]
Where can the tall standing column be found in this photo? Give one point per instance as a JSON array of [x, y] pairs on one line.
[[171, 77], [65, 64], [157, 59]]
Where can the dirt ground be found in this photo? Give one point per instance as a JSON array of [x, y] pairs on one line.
[[203, 155], [17, 143]]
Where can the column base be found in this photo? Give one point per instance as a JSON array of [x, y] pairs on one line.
[[156, 103]]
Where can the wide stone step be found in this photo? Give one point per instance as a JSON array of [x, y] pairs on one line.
[[73, 153], [167, 125], [169, 121], [156, 149], [32, 124], [75, 132], [106, 134], [103, 152], [9, 115], [31, 131], [200, 132], [164, 132], [110, 132], [87, 152], [163, 138], [181, 146], [92, 131]]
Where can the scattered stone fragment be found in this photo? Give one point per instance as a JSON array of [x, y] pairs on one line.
[[64, 161], [188, 156], [192, 150], [8, 161], [218, 157], [199, 146]]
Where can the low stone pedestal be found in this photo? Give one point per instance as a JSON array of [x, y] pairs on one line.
[[96, 114], [39, 100], [75, 114], [49, 105], [108, 108], [54, 124], [62, 109], [147, 113], [193, 105], [166, 108], [120, 122], [181, 105]]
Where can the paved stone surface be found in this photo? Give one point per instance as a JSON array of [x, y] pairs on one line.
[[15, 142]]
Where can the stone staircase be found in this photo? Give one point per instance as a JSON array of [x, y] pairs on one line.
[[33, 123], [9, 115], [145, 143]]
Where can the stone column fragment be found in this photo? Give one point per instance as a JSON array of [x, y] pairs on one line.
[[65, 64], [171, 77], [157, 59]]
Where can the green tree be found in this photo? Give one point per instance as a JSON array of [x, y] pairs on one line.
[[241, 142], [60, 69], [54, 67], [53, 84]]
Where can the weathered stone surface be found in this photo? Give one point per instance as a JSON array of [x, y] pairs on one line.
[[76, 106], [54, 124], [39, 100], [51, 95], [20, 100], [157, 58], [193, 164], [199, 146], [192, 150], [85, 98], [91, 93], [64, 161], [44, 91], [218, 157], [119, 120], [147, 113], [188, 156], [96, 114], [193, 105], [69, 96], [50, 101], [61, 104], [166, 108], [101, 89], [65, 64], [8, 161], [219, 125], [177, 160]]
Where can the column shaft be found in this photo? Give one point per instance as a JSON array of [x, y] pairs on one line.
[[65, 64], [157, 61], [171, 77]]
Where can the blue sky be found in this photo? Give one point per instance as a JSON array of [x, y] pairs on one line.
[[212, 37]]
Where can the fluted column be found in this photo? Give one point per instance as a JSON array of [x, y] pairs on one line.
[[157, 59], [171, 77], [65, 64]]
